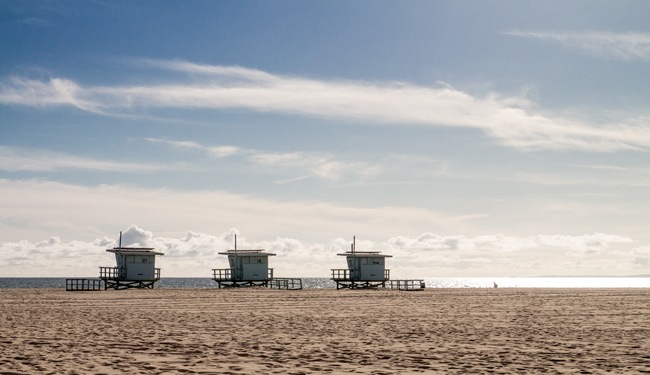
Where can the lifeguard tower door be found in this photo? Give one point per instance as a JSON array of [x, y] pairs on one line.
[[235, 266], [354, 264]]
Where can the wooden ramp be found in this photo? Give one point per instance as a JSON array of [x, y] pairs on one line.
[[80, 285], [405, 284], [285, 283]]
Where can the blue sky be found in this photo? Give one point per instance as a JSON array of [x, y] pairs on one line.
[[465, 138]]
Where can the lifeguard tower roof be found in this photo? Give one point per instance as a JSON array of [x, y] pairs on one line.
[[366, 254], [246, 252], [134, 251]]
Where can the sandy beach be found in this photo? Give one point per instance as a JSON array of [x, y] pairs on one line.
[[325, 331]]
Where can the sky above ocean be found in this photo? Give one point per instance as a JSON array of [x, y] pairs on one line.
[[465, 138]]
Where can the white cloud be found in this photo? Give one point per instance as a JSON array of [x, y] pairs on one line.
[[505, 244], [319, 165], [623, 46], [313, 164], [498, 254], [427, 255], [224, 151], [214, 151], [582, 243], [138, 237], [178, 144], [14, 159], [54, 92], [513, 121]]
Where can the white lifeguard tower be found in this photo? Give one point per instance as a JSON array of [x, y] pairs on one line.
[[250, 268], [367, 269], [247, 268], [136, 268]]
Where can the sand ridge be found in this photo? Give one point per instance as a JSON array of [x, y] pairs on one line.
[[212, 331]]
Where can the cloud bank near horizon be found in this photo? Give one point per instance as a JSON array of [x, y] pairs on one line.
[[510, 120], [427, 255]]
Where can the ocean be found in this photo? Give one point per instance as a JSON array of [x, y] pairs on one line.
[[431, 282]]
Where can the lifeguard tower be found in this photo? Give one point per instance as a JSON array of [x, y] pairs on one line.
[[367, 269], [250, 268], [136, 268]]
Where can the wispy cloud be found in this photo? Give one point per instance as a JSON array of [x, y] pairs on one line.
[[215, 151], [513, 121], [34, 21], [623, 46], [176, 144], [320, 165], [14, 159], [306, 165], [41, 93], [302, 165]]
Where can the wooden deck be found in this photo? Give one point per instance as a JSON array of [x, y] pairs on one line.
[[344, 280], [226, 278], [114, 278]]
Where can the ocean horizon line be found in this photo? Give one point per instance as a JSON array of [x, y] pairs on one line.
[[430, 282]]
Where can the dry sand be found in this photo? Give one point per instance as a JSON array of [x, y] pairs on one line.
[[325, 331]]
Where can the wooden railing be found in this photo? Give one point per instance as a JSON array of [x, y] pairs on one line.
[[230, 274], [116, 273], [341, 274], [345, 275], [111, 273], [285, 283], [222, 274], [406, 284]]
